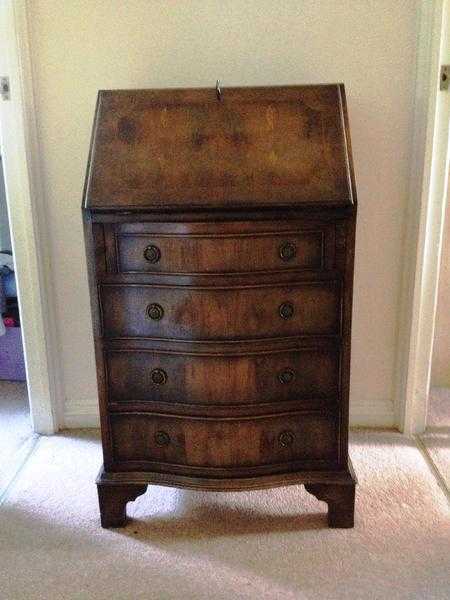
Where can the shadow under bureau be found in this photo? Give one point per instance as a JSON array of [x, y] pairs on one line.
[[219, 229]]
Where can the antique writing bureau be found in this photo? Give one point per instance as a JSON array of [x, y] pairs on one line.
[[220, 240]]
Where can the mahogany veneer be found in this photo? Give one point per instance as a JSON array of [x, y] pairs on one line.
[[220, 241]]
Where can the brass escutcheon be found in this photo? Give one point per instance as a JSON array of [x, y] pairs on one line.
[[287, 251], [286, 438], [155, 312], [152, 253], [158, 376], [162, 438]]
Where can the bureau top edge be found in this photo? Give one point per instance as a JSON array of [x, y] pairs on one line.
[[253, 147]]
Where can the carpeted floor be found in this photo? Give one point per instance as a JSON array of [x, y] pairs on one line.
[[15, 429], [191, 545], [436, 439]]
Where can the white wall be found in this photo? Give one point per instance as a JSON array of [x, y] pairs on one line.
[[80, 46], [440, 365]]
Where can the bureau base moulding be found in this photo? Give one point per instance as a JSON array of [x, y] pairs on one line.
[[336, 488]]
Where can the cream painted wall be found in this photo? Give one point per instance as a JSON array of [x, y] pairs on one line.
[[80, 46], [440, 365]]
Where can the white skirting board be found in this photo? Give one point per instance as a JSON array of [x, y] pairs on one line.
[[378, 414], [80, 415]]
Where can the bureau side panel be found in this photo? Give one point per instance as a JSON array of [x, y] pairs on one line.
[[345, 254], [94, 238]]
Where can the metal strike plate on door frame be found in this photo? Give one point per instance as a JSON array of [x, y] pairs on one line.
[[444, 78], [5, 90]]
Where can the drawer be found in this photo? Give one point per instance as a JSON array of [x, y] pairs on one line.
[[305, 376], [223, 247], [214, 313], [208, 443]]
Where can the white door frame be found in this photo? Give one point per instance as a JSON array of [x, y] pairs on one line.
[[27, 217], [425, 220]]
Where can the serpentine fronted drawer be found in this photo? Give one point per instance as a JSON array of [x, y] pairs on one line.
[[192, 313]]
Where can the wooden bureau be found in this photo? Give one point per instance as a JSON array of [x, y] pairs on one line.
[[219, 230]]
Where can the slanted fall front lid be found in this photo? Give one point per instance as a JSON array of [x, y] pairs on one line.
[[194, 148]]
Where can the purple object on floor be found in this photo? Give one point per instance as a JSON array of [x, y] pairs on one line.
[[12, 365]]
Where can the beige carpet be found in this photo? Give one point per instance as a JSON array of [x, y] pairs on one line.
[[436, 439], [193, 545]]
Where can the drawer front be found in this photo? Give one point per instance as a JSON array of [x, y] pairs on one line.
[[305, 376], [223, 252], [190, 313], [222, 443]]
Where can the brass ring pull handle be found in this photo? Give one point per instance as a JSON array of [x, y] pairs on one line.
[[286, 310], [155, 312], [287, 251], [162, 438], [286, 376], [152, 254], [286, 439], [158, 376]]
